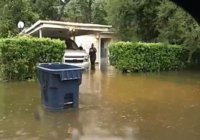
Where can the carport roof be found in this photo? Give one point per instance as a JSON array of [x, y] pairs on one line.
[[53, 26]]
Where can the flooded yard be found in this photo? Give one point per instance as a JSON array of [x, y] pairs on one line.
[[113, 106]]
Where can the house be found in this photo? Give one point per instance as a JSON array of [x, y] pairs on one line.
[[82, 33]]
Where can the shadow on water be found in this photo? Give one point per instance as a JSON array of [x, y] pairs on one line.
[[112, 106]]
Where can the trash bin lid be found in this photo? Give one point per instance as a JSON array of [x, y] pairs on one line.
[[66, 72]]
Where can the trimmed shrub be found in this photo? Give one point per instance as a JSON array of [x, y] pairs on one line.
[[147, 57], [19, 56]]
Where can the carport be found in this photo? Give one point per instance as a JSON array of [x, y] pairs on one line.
[[64, 30]]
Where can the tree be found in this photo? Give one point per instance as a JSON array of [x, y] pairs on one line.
[[177, 26], [78, 11], [122, 16], [99, 13], [146, 14], [86, 11], [12, 12], [47, 10], [72, 12], [133, 18]]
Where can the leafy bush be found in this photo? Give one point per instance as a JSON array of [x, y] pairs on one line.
[[19, 56], [136, 57]]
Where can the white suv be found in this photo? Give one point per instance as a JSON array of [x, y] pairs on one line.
[[75, 56]]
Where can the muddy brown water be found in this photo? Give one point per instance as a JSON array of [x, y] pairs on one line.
[[113, 106]]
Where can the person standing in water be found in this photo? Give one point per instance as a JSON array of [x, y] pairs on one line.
[[92, 53]]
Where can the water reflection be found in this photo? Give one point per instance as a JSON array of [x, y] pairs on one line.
[[112, 106]]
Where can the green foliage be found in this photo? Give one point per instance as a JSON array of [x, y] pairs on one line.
[[12, 12], [29, 11], [47, 10], [153, 21], [86, 11], [19, 56], [177, 26], [73, 12], [98, 12], [133, 18], [142, 57], [121, 15]]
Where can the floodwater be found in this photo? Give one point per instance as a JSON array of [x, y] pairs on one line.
[[113, 106]]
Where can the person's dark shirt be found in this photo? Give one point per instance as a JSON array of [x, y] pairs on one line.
[[92, 52]]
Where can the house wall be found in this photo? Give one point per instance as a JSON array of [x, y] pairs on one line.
[[87, 40]]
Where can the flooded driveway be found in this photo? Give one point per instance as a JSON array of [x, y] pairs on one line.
[[113, 106]]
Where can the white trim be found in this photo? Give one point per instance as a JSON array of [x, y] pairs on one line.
[[35, 30], [75, 24], [51, 24], [74, 27], [40, 27], [54, 26], [33, 26]]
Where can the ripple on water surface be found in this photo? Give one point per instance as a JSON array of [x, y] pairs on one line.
[[112, 106]]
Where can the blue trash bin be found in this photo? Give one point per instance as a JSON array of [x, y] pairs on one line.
[[59, 85]]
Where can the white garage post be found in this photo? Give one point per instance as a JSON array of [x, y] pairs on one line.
[[99, 48], [40, 33], [74, 37]]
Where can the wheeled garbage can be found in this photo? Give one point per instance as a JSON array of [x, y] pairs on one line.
[[59, 85]]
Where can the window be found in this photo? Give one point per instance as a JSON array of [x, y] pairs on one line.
[[71, 45]]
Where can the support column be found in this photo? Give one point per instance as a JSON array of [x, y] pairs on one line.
[[99, 48], [74, 37], [40, 33]]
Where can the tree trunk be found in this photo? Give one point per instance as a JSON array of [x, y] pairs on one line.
[[90, 10]]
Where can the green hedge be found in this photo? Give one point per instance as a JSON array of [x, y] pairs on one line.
[[19, 56], [142, 57]]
